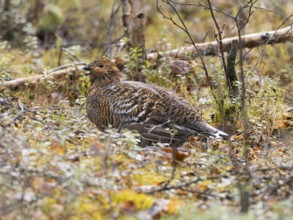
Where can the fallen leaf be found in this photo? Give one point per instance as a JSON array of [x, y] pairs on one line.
[[174, 205], [128, 207]]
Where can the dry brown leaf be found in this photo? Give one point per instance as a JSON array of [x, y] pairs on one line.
[[215, 171], [176, 154], [128, 207], [57, 147]]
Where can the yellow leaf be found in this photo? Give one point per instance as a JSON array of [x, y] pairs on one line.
[[174, 205], [204, 185], [148, 178], [87, 209], [140, 200], [229, 167]]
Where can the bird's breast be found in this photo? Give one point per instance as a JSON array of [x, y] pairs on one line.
[[98, 112]]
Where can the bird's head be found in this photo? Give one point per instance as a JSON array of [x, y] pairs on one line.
[[103, 70]]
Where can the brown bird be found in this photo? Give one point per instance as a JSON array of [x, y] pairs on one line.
[[156, 113]]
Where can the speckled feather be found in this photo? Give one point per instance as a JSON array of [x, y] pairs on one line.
[[156, 113]]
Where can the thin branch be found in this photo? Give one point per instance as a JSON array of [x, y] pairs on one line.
[[183, 185], [290, 28], [271, 11], [185, 29], [109, 27], [242, 75], [179, 186], [219, 38], [71, 55]]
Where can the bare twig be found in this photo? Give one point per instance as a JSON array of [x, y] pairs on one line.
[[114, 12], [184, 185], [219, 39], [290, 29], [185, 29], [73, 57], [179, 186], [243, 187], [240, 26]]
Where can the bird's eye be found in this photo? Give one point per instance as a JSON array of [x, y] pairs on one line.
[[101, 65]]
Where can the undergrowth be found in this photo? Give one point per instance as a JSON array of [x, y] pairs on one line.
[[56, 164]]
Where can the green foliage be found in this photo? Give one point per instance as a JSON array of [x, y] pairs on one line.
[[161, 75], [266, 106], [135, 65], [83, 84], [4, 61], [51, 19], [226, 109]]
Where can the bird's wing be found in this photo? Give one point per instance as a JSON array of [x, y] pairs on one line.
[[185, 117], [139, 107], [157, 114], [133, 104]]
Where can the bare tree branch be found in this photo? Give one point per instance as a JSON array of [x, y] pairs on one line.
[[219, 39], [211, 48], [185, 29], [114, 11]]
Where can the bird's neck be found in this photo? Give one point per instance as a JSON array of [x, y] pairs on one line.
[[103, 80]]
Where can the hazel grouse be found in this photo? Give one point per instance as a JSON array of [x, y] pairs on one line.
[[156, 113]]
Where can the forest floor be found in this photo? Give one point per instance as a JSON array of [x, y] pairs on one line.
[[55, 164]]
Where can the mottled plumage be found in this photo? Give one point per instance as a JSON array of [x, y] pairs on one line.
[[156, 113]]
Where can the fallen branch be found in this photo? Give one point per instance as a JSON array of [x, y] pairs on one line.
[[57, 72], [167, 187], [211, 48], [206, 49]]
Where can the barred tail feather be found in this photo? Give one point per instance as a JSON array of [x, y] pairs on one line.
[[213, 132]]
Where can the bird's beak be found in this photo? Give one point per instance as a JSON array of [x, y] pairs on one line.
[[87, 68]]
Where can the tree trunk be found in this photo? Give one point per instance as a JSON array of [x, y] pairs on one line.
[[231, 71], [125, 17], [5, 24], [137, 35]]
